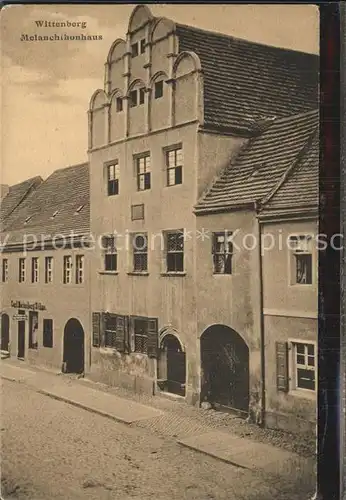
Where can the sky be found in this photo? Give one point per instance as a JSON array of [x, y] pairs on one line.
[[46, 86]]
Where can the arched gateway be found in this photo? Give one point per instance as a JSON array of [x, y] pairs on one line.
[[172, 365], [225, 369], [73, 356]]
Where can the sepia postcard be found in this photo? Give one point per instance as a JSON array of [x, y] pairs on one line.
[[159, 251]]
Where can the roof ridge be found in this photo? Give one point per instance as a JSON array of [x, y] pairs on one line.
[[31, 179], [244, 40], [27, 192], [290, 169]]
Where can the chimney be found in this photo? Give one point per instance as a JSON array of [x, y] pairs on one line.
[[4, 189]]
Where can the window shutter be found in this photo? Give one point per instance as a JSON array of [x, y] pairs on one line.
[[131, 334], [96, 322], [282, 366], [120, 336], [153, 338], [102, 329]]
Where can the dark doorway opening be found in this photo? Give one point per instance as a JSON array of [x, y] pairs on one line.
[[73, 357], [5, 332], [225, 369], [21, 337], [172, 366]]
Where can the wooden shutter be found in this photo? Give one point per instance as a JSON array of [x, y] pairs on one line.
[[120, 337], [153, 338], [102, 329], [131, 334], [96, 325], [282, 366]]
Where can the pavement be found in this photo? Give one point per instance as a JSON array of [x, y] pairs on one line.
[[224, 446]]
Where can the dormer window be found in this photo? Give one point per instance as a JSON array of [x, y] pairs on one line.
[[119, 104], [28, 219], [158, 89], [79, 209], [134, 49], [55, 214], [142, 45]]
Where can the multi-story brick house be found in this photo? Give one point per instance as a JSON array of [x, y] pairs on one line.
[[178, 105], [259, 310], [45, 272]]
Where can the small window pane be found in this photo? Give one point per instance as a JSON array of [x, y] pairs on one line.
[[311, 349], [300, 359], [158, 89], [300, 348], [311, 360]]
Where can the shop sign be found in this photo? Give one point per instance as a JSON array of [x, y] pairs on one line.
[[36, 306], [19, 317]]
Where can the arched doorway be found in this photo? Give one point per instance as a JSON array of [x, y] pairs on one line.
[[225, 369], [5, 332], [73, 357], [172, 365]]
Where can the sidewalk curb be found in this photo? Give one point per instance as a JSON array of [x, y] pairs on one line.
[[225, 460], [9, 379], [84, 407]]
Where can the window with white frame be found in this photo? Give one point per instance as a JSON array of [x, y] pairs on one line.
[[34, 270], [48, 270], [140, 252], [113, 175], [21, 276], [110, 253], [143, 172], [5, 270], [174, 241], [67, 269], [174, 165], [301, 259], [222, 252], [79, 269], [304, 366]]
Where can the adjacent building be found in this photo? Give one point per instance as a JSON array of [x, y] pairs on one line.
[[45, 272]]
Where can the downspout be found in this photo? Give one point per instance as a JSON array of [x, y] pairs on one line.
[[262, 336]]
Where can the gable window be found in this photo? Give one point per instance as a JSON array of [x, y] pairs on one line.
[[301, 259], [134, 49], [119, 104], [5, 270], [21, 277], [142, 46], [133, 98], [79, 269], [158, 89], [110, 253], [67, 270], [175, 251], [34, 270], [174, 164], [304, 366], [113, 175], [48, 271], [143, 172], [47, 333], [222, 252], [141, 95], [140, 253]]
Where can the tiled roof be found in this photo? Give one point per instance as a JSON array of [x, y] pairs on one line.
[[53, 208], [16, 195], [300, 190], [244, 81], [262, 163]]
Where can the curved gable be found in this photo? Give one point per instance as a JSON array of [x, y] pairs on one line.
[[139, 17], [161, 28], [186, 63]]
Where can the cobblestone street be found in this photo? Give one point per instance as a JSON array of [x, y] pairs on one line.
[[53, 450]]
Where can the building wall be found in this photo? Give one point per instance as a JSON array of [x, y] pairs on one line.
[[290, 312], [231, 300], [61, 302]]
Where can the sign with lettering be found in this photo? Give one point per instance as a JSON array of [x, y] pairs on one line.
[[19, 317], [36, 306]]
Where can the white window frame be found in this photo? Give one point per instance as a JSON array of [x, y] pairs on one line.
[[4, 270], [22, 270], [67, 269], [109, 250], [146, 158], [79, 278], [293, 368], [48, 271], [35, 269], [292, 269], [168, 168]]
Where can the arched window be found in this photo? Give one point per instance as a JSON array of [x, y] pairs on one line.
[[117, 116], [159, 101], [137, 103]]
